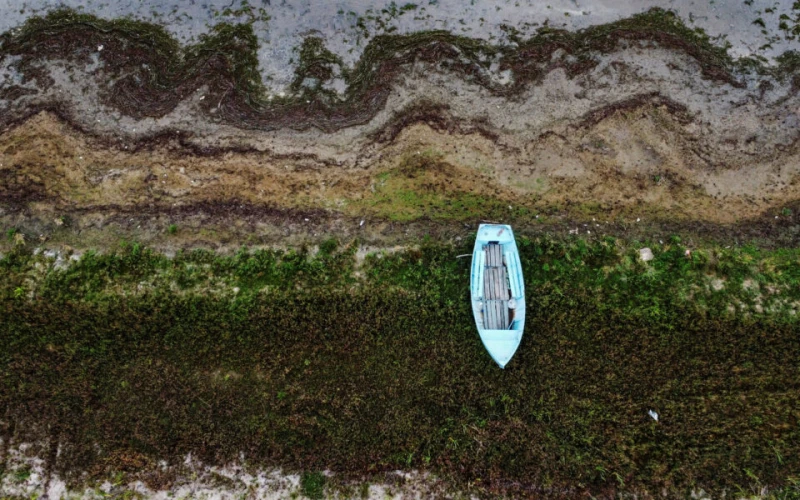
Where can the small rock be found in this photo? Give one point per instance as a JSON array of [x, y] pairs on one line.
[[750, 284], [236, 289], [362, 223], [99, 48], [646, 254]]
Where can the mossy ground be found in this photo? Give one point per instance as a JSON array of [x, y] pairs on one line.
[[315, 362], [423, 186]]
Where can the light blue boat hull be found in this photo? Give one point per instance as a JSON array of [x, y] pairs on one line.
[[501, 343]]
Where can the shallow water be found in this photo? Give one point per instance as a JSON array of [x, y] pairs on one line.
[[282, 24]]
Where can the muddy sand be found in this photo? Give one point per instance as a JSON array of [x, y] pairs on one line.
[[635, 120]]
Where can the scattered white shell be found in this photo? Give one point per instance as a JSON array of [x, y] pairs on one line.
[[653, 414], [646, 254], [99, 48], [362, 223]]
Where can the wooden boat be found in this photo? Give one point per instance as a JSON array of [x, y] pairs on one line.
[[498, 292]]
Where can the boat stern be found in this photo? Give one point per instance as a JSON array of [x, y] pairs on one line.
[[501, 344]]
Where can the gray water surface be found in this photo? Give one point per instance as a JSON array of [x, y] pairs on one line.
[[281, 25]]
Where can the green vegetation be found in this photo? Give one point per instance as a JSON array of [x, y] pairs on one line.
[[22, 474], [155, 56], [312, 484], [316, 66], [313, 361], [423, 187], [662, 26], [400, 200]]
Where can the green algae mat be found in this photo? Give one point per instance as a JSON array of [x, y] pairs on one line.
[[319, 360]]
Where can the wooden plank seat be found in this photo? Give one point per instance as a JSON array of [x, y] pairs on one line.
[[495, 289], [496, 314]]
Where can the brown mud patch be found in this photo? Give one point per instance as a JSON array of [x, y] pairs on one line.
[[638, 119], [634, 163]]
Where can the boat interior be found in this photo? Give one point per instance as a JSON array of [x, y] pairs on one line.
[[499, 287]]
